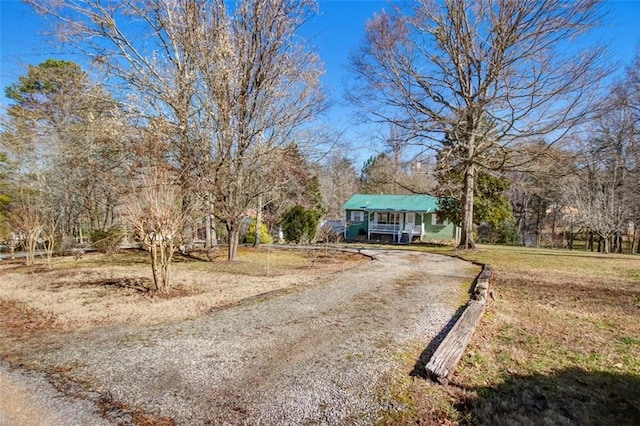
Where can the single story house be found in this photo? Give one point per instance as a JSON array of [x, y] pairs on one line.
[[397, 218]]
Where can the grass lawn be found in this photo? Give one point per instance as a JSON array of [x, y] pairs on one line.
[[560, 345], [98, 290]]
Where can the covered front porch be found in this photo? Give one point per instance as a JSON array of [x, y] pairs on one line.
[[402, 226]]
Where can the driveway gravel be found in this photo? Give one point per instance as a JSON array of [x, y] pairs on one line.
[[27, 398], [320, 353]]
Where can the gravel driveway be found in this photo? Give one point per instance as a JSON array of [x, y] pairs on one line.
[[321, 353]]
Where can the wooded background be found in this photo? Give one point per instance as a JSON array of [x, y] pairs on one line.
[[196, 115]]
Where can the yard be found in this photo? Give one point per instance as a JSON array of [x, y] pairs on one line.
[[319, 348], [98, 290], [559, 345]]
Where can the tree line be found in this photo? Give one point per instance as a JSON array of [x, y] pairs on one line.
[[206, 111]]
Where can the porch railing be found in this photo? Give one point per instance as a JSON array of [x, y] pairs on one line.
[[384, 228], [414, 229]]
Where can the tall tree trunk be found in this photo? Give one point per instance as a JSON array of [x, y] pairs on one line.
[[620, 241], [214, 233], [208, 243], [153, 254], [234, 238], [49, 245], [188, 230], [210, 237], [32, 245], [31, 251], [258, 222], [606, 244], [466, 237], [522, 223], [165, 264], [571, 238]]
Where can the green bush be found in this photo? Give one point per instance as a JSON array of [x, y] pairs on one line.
[[508, 232], [265, 237], [106, 241], [300, 224]]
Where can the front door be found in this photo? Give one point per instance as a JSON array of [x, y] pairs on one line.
[[410, 222]]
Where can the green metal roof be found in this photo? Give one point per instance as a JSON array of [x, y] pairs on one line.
[[403, 203]]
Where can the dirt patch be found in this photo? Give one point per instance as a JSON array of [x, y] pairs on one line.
[[18, 317]]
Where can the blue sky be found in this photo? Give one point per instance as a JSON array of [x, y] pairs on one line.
[[336, 32]]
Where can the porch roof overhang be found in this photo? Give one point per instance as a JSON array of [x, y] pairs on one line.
[[368, 209], [392, 203]]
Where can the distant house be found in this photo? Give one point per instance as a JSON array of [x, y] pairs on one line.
[[396, 218]]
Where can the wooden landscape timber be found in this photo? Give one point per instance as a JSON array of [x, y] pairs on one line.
[[444, 361]]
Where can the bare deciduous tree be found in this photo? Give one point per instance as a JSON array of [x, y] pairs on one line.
[[234, 81], [263, 86], [338, 182], [605, 191], [155, 212], [25, 217], [596, 205], [539, 189], [486, 73]]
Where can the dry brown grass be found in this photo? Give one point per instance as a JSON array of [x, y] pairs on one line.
[[561, 345], [556, 350], [99, 290]]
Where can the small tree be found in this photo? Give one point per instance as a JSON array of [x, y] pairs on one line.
[[156, 215], [25, 216], [27, 221], [300, 224], [264, 237], [107, 241]]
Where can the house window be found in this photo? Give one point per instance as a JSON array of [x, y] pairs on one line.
[[388, 218], [438, 220], [357, 216]]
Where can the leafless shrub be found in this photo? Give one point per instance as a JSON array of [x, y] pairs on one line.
[[157, 217]]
